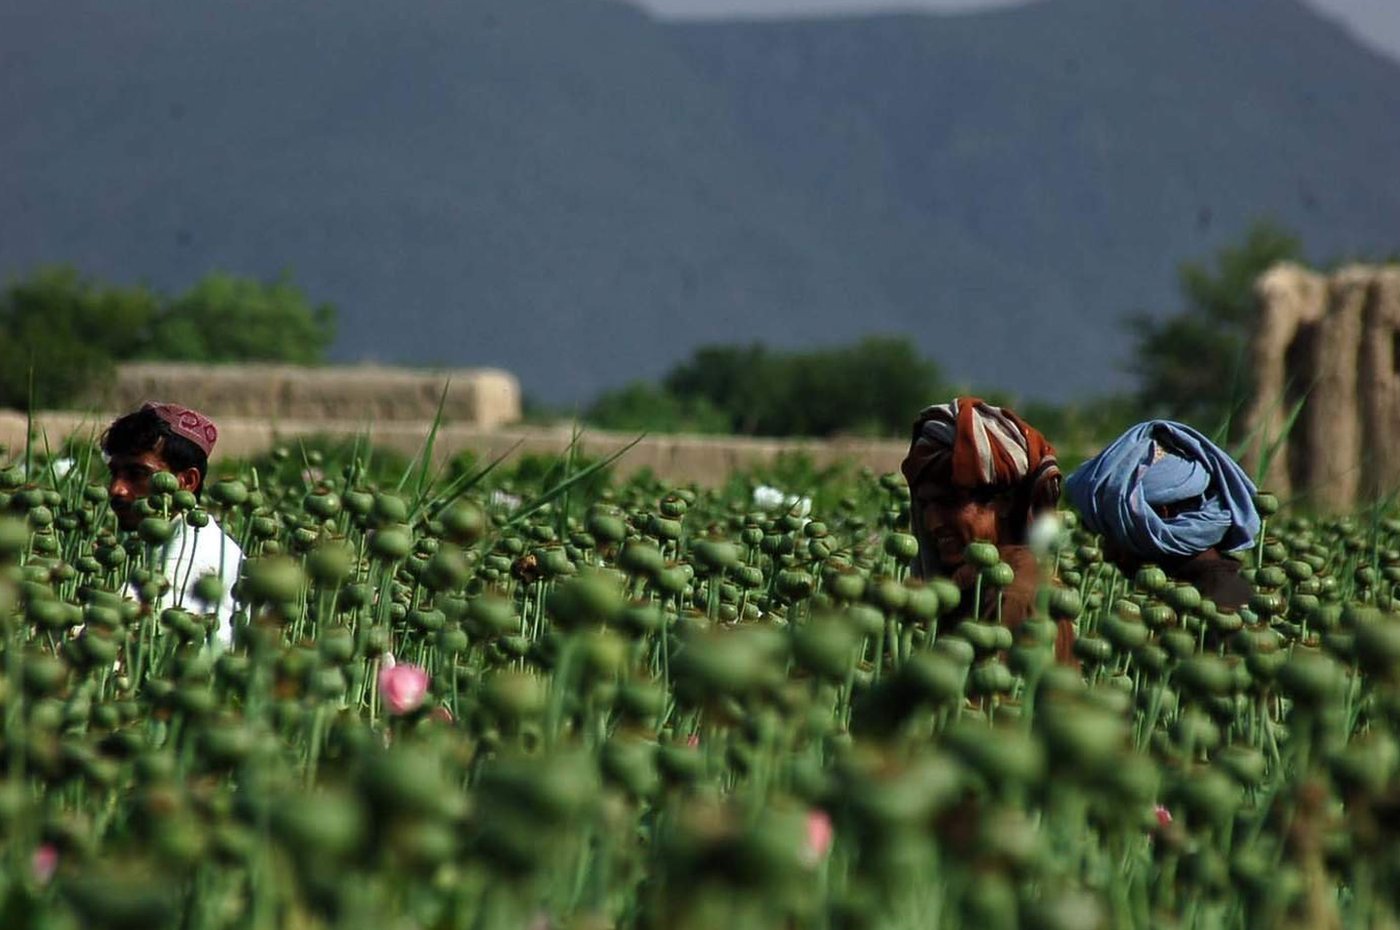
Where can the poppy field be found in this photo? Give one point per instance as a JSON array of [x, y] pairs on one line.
[[497, 702]]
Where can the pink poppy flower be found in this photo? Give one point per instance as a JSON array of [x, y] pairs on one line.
[[1164, 816], [403, 687], [44, 864], [820, 835]]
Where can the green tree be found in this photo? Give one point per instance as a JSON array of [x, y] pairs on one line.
[[229, 319], [874, 387], [639, 406], [70, 330], [67, 330], [1194, 366]]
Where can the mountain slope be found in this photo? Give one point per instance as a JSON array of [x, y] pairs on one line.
[[582, 194]]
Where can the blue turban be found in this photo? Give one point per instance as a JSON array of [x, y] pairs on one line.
[[1162, 462]]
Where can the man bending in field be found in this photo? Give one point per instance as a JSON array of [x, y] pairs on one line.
[[170, 440], [979, 473], [1164, 494]]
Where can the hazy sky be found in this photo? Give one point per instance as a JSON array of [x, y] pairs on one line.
[[1374, 21]]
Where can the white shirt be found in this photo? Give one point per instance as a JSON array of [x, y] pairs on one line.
[[192, 553]]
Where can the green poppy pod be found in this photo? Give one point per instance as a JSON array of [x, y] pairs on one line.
[[923, 604], [957, 649], [888, 595], [604, 653], [679, 764], [1178, 644], [427, 620], [949, 594], [40, 517], [1065, 604], [1366, 576], [390, 508], [630, 764], [490, 615], [336, 644], [391, 543], [1209, 793], [641, 618], [1151, 658], [847, 585], [1127, 610], [1311, 678], [936, 678], [794, 585], [981, 554], [322, 503], [641, 558], [716, 554], [671, 581], [330, 563], [359, 504], [552, 791], [514, 696], [1205, 675], [1266, 504], [985, 637], [1088, 555], [409, 780], [1093, 649], [163, 482], [867, 620], [1150, 578], [1264, 666], [729, 662], [665, 529], [183, 501], [901, 546], [1182, 598], [273, 579], [1159, 617], [590, 599], [1367, 765], [452, 640], [263, 527], [1298, 570], [52, 614], [673, 506], [1378, 645], [1245, 764], [464, 522], [1123, 634], [99, 649], [894, 800], [447, 569], [642, 700], [992, 677], [329, 824], [1000, 575], [1080, 739], [155, 531], [826, 646], [1225, 622]]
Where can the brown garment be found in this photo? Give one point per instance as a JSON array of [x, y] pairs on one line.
[[1215, 576], [1018, 600]]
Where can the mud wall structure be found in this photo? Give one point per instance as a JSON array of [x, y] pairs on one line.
[[704, 460], [481, 397], [1335, 341]]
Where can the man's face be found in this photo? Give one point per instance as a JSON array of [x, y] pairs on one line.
[[954, 517], [130, 482]]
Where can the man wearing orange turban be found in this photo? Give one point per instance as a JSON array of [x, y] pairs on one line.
[[979, 473]]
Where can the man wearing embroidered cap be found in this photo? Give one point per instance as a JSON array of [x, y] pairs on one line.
[[162, 437]]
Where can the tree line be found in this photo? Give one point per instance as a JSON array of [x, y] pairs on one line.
[[62, 333]]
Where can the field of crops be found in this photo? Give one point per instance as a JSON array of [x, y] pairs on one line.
[[499, 703]]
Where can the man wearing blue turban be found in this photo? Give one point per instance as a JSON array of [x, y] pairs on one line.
[[1163, 493]]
